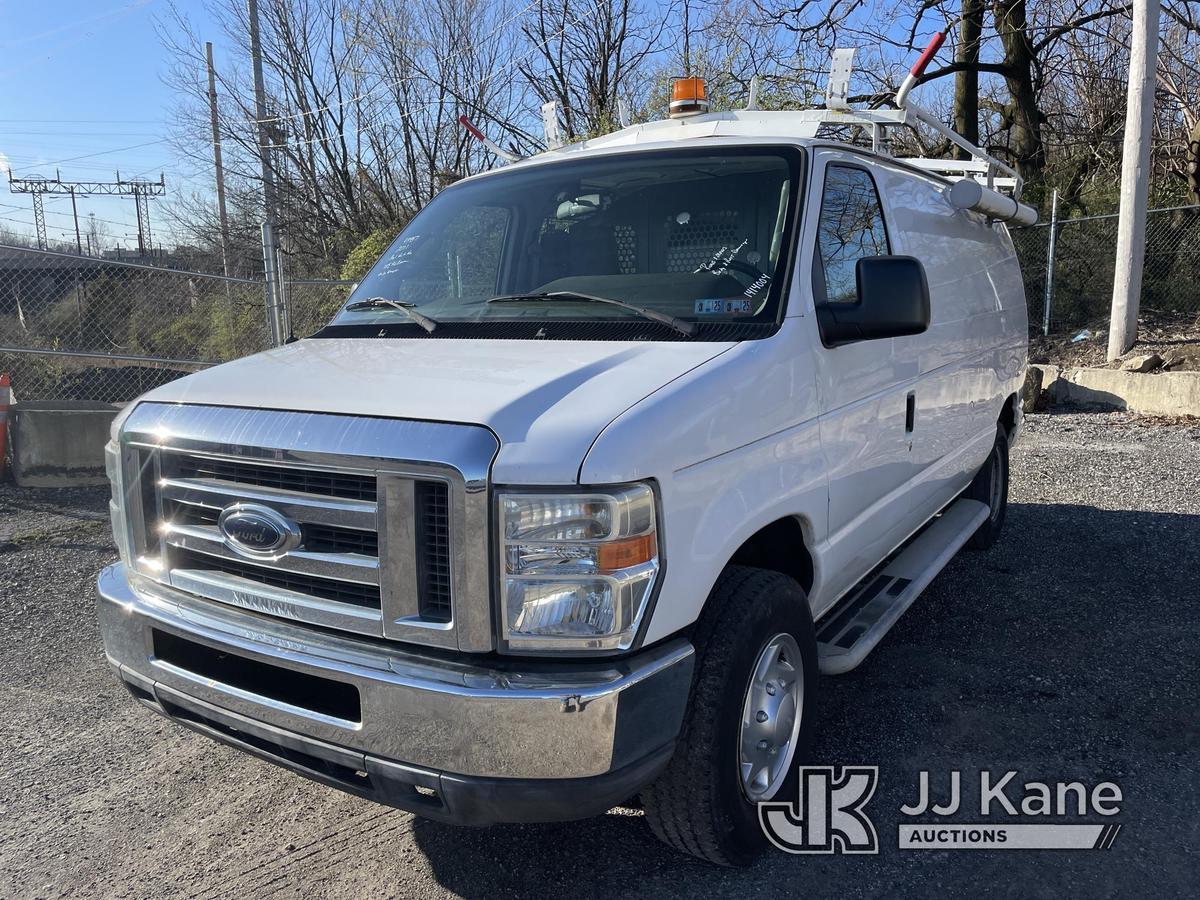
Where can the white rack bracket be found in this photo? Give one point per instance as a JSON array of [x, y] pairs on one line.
[[550, 125], [752, 100], [837, 95]]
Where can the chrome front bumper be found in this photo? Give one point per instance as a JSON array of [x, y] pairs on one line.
[[470, 742]]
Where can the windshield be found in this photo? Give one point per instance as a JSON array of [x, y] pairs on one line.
[[683, 240]]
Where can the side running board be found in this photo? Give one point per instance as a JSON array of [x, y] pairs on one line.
[[849, 631]]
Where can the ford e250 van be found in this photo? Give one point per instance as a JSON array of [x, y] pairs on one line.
[[614, 455]]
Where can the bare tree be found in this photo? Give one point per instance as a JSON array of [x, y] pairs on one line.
[[365, 95], [583, 55]]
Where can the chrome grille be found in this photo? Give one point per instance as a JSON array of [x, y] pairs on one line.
[[331, 484], [317, 538], [364, 595], [325, 585], [376, 545]]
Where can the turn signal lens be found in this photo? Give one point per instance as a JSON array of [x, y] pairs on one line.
[[626, 553], [688, 97]]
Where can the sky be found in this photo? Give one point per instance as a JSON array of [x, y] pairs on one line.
[[81, 91]]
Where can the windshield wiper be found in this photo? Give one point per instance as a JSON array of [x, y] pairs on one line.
[[680, 325], [403, 305]]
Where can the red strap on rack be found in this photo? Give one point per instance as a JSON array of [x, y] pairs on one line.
[[923, 60], [466, 123]]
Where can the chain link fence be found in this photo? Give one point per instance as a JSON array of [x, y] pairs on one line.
[[1081, 270], [311, 303], [86, 328]]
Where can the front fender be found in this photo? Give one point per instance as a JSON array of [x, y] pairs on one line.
[[734, 446]]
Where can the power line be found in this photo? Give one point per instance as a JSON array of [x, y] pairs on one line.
[[23, 161], [85, 121], [55, 212], [66, 159], [9, 132], [55, 162]]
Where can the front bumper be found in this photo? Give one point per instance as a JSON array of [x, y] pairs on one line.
[[473, 743]]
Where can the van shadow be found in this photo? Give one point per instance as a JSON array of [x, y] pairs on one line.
[[1042, 654]]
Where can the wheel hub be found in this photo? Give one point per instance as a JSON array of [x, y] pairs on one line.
[[771, 714]]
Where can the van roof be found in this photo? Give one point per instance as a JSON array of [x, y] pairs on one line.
[[744, 126], [787, 126], [801, 127]]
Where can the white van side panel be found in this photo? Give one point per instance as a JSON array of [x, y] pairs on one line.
[[731, 454], [885, 484], [973, 355]]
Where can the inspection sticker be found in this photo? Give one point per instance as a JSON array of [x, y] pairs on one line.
[[717, 306]]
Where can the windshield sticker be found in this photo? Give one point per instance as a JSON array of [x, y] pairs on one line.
[[721, 259], [761, 282], [718, 306], [401, 253]]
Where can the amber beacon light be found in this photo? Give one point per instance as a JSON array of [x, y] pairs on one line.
[[688, 97]]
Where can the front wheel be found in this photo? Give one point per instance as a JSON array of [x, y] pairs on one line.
[[749, 718], [991, 487]]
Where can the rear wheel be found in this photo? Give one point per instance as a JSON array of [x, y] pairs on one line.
[[749, 718], [991, 488]]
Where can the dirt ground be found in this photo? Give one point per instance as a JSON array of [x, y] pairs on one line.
[[1067, 651], [1175, 338]]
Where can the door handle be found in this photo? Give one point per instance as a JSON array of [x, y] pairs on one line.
[[910, 412]]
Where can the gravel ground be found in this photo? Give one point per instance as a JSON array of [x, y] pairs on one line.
[[1068, 651]]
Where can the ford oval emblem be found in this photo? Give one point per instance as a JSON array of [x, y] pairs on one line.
[[254, 530]]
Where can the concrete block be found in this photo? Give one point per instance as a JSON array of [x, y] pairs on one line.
[[60, 443], [1031, 390], [1040, 386], [1159, 393], [1051, 376]]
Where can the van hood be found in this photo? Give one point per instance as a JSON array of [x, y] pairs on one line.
[[546, 400]]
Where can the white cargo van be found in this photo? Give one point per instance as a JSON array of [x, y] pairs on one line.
[[614, 454]]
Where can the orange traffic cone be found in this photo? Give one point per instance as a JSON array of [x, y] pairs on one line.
[[5, 403]]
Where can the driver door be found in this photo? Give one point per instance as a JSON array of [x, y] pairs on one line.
[[866, 388]]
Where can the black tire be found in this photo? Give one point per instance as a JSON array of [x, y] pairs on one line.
[[985, 489], [698, 804]]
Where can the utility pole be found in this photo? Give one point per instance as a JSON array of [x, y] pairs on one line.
[[75, 213], [1048, 296], [1135, 179], [270, 246], [137, 200], [220, 169]]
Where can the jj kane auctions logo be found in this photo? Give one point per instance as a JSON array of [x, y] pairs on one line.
[[829, 814]]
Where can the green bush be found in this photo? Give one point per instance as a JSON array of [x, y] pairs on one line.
[[369, 249]]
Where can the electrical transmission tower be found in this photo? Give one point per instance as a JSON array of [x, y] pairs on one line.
[[140, 189]]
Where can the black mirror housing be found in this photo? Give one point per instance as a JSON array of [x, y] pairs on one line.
[[893, 300]]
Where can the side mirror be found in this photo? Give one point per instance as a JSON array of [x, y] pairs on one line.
[[893, 300]]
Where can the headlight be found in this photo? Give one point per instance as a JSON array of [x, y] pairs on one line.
[[577, 568]]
